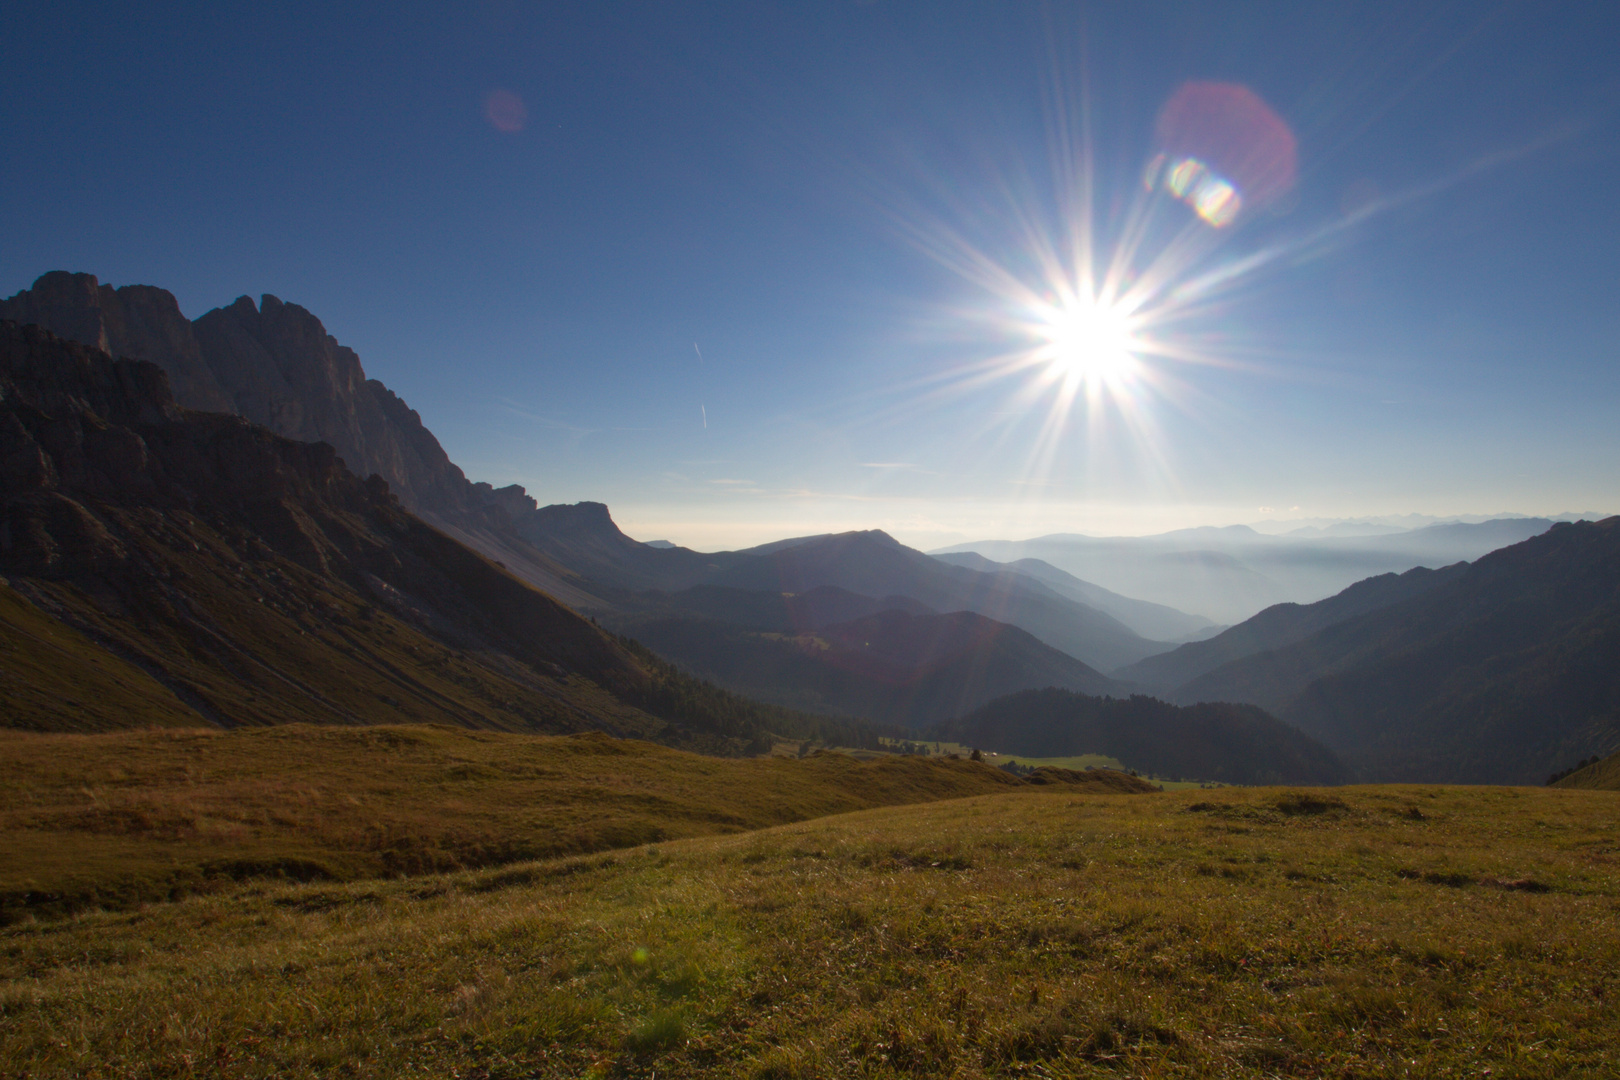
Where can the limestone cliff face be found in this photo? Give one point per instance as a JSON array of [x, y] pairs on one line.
[[272, 363], [138, 322], [283, 370]]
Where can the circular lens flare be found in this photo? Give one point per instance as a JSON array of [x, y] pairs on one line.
[[1089, 342]]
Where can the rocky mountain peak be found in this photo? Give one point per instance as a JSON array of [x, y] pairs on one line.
[[271, 362], [139, 322], [575, 518]]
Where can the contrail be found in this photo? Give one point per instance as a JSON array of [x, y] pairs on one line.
[[705, 409]]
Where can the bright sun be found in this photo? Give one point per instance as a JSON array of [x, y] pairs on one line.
[[1090, 343]]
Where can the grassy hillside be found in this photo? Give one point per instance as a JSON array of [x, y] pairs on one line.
[[1375, 932], [55, 679], [135, 816]]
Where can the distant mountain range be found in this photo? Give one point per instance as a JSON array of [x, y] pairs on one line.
[[1228, 574], [871, 564], [1157, 622]]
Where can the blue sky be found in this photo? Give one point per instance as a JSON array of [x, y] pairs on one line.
[[703, 280]]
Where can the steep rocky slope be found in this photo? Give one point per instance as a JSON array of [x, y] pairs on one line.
[[252, 579]]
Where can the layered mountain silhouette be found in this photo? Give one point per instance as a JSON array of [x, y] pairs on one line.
[[1232, 572], [1157, 622], [178, 567], [1499, 671], [1235, 744], [895, 665], [198, 545], [869, 563]]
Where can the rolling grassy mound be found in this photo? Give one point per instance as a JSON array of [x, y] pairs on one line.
[[1369, 932], [122, 818]]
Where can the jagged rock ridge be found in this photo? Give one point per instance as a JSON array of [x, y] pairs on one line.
[[274, 364]]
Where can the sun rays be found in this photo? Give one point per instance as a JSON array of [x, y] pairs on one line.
[[1087, 325]]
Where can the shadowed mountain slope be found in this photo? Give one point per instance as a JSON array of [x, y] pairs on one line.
[[1235, 744], [1502, 674], [254, 580], [893, 667], [1279, 625], [788, 613]]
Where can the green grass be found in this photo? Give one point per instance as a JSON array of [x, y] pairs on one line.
[[1363, 932], [1078, 762]]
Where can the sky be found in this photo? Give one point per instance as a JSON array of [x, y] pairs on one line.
[[744, 271]]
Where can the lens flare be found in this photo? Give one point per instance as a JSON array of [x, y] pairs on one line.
[[1221, 148], [1211, 196]]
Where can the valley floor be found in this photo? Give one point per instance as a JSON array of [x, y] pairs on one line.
[[1240, 932]]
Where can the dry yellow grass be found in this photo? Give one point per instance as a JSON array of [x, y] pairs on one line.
[[1368, 932], [121, 818]]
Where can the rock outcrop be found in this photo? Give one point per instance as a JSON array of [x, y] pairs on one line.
[[274, 364], [283, 370], [139, 322]]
